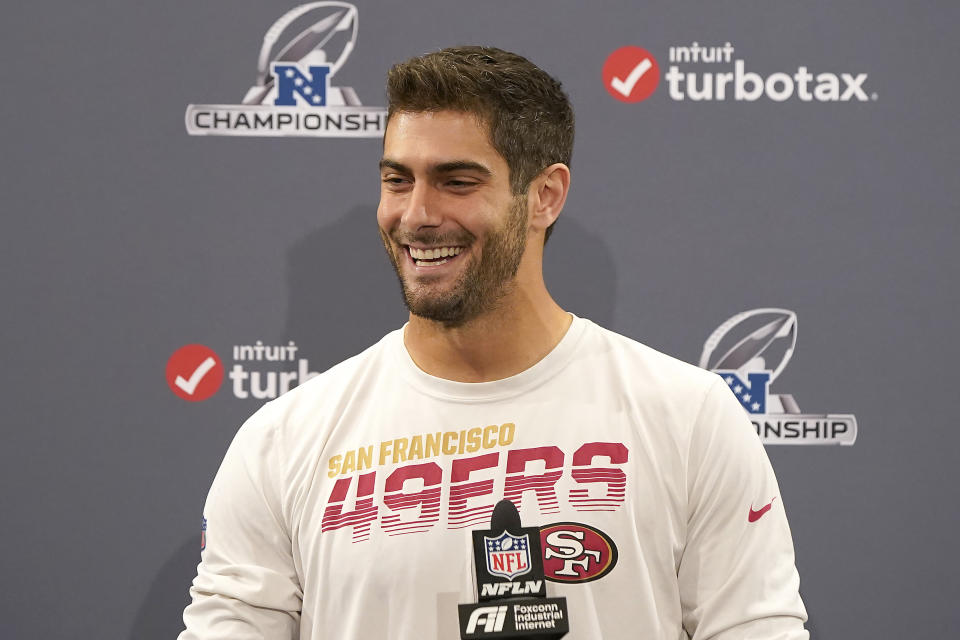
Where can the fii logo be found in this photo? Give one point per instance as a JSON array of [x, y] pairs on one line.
[[631, 74], [491, 619]]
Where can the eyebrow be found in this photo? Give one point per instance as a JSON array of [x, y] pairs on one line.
[[443, 167]]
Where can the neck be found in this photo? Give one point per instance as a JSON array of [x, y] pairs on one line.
[[521, 331]]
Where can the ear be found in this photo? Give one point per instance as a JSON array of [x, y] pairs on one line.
[[547, 195]]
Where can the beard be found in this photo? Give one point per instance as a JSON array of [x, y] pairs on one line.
[[484, 281]]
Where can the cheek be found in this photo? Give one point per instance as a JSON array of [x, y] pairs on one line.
[[385, 218]]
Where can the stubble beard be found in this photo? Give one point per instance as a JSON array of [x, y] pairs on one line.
[[484, 282]]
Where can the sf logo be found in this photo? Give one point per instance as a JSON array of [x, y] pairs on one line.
[[568, 547], [576, 552]]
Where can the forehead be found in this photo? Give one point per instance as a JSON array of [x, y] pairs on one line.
[[432, 137]]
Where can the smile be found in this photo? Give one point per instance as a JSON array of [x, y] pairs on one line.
[[433, 257]]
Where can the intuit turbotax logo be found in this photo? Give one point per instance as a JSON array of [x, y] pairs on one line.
[[750, 351], [715, 73], [259, 371], [293, 95]]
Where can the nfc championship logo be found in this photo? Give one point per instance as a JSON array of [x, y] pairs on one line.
[[507, 556], [750, 351], [294, 94]]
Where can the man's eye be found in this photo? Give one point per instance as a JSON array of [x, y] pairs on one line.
[[394, 180], [460, 183]]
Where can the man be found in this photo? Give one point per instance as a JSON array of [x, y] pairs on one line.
[[343, 509]]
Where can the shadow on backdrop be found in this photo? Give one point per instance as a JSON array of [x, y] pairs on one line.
[[811, 624], [580, 271], [344, 295], [161, 615]]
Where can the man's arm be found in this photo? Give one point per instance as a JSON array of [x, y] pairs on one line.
[[246, 585], [737, 574]]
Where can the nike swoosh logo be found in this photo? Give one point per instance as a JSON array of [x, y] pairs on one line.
[[756, 515]]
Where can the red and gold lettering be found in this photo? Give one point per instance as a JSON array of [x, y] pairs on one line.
[[365, 512], [458, 515], [585, 473], [542, 484], [427, 500]]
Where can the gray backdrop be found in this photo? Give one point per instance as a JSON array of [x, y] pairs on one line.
[[125, 239]]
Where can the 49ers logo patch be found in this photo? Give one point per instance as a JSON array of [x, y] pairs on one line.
[[575, 552]]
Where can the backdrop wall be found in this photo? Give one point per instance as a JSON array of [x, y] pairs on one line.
[[127, 239]]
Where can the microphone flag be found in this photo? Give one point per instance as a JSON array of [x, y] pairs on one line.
[[512, 591]]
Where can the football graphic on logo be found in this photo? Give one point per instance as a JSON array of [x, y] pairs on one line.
[[317, 33], [752, 341]]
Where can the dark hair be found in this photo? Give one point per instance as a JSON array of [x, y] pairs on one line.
[[529, 116]]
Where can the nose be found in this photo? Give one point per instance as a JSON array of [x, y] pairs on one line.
[[421, 209]]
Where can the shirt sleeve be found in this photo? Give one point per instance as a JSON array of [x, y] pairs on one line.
[[246, 585], [737, 574]]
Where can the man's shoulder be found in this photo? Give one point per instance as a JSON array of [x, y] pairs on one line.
[[645, 363], [317, 397], [667, 391], [345, 374]]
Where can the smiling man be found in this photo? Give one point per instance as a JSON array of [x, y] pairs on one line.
[[467, 249], [343, 509]]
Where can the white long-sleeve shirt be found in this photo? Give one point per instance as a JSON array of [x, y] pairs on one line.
[[343, 509]]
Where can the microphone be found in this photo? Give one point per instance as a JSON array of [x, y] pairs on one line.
[[512, 601], [505, 517]]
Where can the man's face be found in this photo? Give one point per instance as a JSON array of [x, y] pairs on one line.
[[449, 222]]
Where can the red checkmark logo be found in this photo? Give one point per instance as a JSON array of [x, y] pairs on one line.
[[755, 515], [631, 74], [194, 372]]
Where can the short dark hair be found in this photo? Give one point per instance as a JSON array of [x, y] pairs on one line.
[[529, 116]]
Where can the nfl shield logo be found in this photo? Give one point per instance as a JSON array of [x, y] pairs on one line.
[[508, 556]]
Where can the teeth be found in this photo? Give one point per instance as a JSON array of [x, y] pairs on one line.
[[424, 263], [433, 254]]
